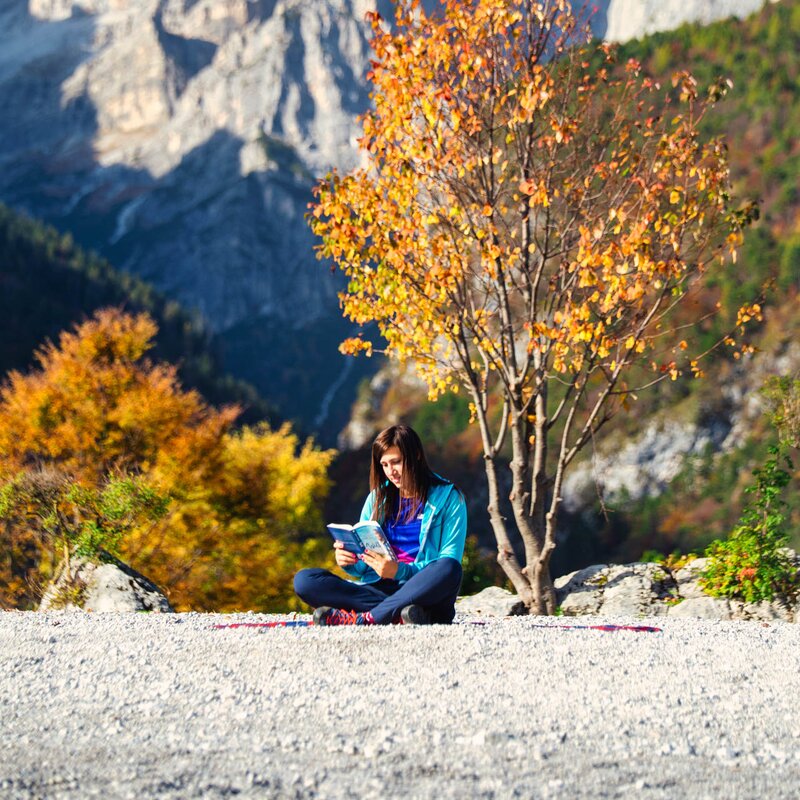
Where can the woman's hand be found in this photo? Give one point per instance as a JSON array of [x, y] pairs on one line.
[[344, 558], [384, 566]]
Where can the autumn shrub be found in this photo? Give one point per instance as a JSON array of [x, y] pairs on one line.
[[244, 505]]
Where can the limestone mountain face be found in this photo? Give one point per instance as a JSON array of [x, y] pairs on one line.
[[643, 466], [181, 139], [631, 19]]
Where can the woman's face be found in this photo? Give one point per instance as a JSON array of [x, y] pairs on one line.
[[392, 465]]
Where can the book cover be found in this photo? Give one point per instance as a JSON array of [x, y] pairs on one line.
[[363, 536]]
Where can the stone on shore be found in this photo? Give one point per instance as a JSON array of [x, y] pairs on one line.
[[702, 608]]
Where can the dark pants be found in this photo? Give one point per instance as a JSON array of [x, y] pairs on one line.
[[435, 588]]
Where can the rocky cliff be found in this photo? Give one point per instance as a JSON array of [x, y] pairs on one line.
[[620, 20], [181, 138]]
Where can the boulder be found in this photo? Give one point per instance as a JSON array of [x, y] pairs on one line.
[[688, 578], [491, 602], [763, 611], [621, 590], [581, 592], [701, 608], [637, 590], [646, 589], [109, 585]]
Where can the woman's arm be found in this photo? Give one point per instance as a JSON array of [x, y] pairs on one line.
[[454, 535], [359, 569]]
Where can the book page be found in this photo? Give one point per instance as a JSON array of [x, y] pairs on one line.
[[346, 535], [373, 538]]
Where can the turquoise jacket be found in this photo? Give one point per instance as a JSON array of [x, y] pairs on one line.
[[442, 534]]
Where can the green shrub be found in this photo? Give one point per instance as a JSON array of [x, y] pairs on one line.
[[782, 393], [80, 520], [110, 511], [674, 560], [753, 564], [443, 420]]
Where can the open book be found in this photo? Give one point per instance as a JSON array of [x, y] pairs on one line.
[[363, 536]]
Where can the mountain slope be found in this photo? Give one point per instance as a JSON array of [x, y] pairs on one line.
[[48, 284], [180, 140]]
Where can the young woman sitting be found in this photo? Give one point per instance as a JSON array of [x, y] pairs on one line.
[[424, 518]]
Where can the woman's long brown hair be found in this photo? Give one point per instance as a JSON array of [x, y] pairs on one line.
[[417, 475]]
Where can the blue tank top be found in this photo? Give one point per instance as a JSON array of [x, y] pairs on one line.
[[404, 536]]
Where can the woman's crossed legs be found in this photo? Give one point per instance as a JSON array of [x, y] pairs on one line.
[[435, 588]]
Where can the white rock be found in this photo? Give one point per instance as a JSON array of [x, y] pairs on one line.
[[580, 592], [491, 602], [625, 590], [701, 608], [627, 19], [643, 465], [764, 611], [111, 586], [687, 578], [635, 590]]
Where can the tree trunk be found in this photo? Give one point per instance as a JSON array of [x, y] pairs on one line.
[[505, 552], [66, 561], [544, 590], [529, 525]]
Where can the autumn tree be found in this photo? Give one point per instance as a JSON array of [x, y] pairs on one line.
[[530, 227], [97, 416], [241, 524]]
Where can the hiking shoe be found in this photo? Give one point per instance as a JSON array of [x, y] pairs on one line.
[[415, 615], [325, 615]]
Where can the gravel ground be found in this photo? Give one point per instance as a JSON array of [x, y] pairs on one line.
[[139, 706]]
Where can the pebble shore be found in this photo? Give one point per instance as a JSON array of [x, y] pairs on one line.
[[167, 706]]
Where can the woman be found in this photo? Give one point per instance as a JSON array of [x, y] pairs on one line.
[[425, 519]]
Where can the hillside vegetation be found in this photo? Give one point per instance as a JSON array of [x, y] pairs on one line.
[[48, 283], [760, 118]]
